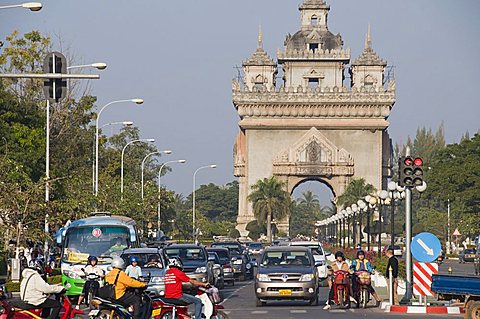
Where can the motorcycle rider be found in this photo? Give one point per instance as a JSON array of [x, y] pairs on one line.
[[338, 264], [122, 296], [91, 268], [34, 290], [174, 278], [363, 264], [133, 270]]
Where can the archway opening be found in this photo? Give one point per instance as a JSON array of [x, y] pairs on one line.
[[313, 201]]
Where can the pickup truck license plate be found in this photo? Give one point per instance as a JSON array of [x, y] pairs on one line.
[[285, 292], [156, 312]]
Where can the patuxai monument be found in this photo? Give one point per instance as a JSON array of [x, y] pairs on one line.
[[325, 120]]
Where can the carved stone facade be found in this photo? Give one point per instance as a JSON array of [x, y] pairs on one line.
[[312, 126]]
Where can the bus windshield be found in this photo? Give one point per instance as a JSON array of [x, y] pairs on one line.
[[104, 242]]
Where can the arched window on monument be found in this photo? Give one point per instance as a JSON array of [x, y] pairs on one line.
[[368, 82], [314, 21], [258, 84]]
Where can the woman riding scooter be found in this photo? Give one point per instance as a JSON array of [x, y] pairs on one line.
[[362, 264], [338, 265]]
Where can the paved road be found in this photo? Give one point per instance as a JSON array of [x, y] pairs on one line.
[[240, 304], [457, 268]]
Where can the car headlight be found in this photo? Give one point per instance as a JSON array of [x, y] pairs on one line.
[[307, 277], [248, 266], [71, 274], [238, 262], [263, 277], [227, 269], [156, 280], [201, 270]]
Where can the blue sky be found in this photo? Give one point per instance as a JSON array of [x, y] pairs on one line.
[[180, 57]]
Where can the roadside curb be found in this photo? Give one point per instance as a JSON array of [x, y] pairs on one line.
[[423, 309]]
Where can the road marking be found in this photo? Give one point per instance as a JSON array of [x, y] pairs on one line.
[[298, 311], [234, 292], [424, 246], [259, 312], [337, 310]]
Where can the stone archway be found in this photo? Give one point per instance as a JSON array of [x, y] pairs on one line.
[[313, 157]]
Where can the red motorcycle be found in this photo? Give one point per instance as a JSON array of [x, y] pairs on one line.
[[341, 288], [17, 309]]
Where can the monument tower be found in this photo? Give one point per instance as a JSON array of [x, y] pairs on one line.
[[312, 125]]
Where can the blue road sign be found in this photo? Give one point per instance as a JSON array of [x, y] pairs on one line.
[[426, 247]]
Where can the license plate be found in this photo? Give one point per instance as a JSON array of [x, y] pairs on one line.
[[93, 312], [285, 292], [156, 312]]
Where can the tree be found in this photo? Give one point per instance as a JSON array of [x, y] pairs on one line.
[[357, 189], [270, 201]]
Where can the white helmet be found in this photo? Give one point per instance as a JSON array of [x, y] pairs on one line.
[[118, 262], [175, 262]]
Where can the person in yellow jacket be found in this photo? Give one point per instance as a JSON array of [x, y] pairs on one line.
[[122, 282]]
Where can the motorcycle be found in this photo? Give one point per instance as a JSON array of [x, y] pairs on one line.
[[22, 310], [211, 306], [110, 309], [341, 288], [363, 279], [92, 280]]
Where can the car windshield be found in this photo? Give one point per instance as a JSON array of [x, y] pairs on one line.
[[104, 242], [223, 256], [227, 245], [186, 254], [469, 251], [214, 256], [255, 246], [144, 260], [285, 258]]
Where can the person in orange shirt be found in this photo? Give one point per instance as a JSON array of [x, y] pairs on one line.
[[122, 296]]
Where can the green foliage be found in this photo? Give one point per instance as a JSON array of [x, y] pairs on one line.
[[270, 201], [234, 233], [305, 212], [255, 230], [357, 189]]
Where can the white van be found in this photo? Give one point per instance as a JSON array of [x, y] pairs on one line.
[[318, 255]]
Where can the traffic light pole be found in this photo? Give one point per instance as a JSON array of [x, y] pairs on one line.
[[408, 238]]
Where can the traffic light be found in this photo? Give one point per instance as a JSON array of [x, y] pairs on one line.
[[405, 171], [55, 89], [417, 171]]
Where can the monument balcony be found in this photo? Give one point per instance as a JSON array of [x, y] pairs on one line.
[[313, 55]]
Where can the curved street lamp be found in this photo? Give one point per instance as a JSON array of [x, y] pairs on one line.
[[136, 101], [96, 65], [193, 197], [147, 156], [181, 161], [32, 6], [151, 140]]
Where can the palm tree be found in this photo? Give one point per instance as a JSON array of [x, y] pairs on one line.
[[309, 201], [357, 189], [270, 201]]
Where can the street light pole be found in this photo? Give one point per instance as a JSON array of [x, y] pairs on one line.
[[182, 161], [123, 152], [193, 197], [32, 6], [137, 101], [145, 158]]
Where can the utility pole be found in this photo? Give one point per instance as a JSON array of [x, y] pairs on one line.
[[448, 226], [55, 88]]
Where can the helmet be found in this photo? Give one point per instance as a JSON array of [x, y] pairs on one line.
[[339, 254], [133, 259], [175, 262], [92, 258], [360, 252], [37, 264], [118, 262]]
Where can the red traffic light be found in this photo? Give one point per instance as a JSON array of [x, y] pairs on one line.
[[408, 161], [418, 161]]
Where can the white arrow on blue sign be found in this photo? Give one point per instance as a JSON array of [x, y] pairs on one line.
[[426, 247]]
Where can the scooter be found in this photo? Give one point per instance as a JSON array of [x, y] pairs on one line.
[[93, 281], [22, 310], [173, 308], [110, 309], [363, 295], [341, 288]]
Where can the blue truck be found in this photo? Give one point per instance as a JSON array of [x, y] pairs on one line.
[[463, 288]]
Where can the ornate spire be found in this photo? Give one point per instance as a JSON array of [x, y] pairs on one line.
[[314, 4], [259, 57], [368, 56], [260, 37]]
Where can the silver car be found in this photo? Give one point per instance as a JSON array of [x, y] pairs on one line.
[[153, 267], [286, 273]]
